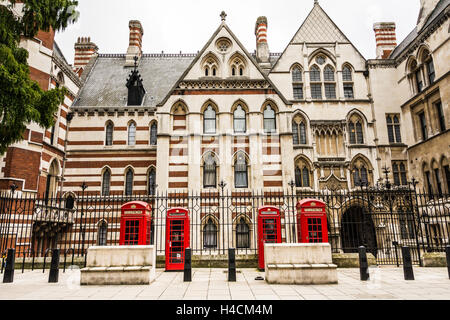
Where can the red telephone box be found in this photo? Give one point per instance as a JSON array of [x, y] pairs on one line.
[[135, 224], [312, 221], [269, 230], [177, 238]]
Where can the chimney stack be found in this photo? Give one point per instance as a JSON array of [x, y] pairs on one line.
[[262, 47], [84, 51], [386, 38], [135, 47]]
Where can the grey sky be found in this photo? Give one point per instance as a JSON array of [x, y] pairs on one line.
[[185, 25]]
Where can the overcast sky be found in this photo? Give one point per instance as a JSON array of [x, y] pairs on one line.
[[185, 25]]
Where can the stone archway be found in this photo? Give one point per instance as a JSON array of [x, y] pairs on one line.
[[358, 229]]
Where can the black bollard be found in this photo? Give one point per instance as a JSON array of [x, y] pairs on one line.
[[8, 276], [187, 266], [363, 264], [232, 265], [407, 263], [54, 267], [447, 253]]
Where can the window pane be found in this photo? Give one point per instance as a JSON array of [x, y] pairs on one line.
[[390, 128], [109, 134], [129, 183], [210, 235], [431, 72], [314, 74], [305, 174], [295, 133], [316, 91], [296, 75], [364, 176], [152, 182], [330, 91], [132, 134], [209, 120], [106, 183], [347, 74], [359, 133], [302, 133], [209, 172], [269, 120], [298, 177], [348, 91], [352, 132], [242, 234], [239, 120], [440, 114], [423, 126], [240, 170], [328, 73], [153, 134], [298, 92]]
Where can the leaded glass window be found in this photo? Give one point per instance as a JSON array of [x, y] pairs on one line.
[[241, 171], [242, 234], [209, 120], [132, 134], [129, 183], [269, 120], [210, 235], [239, 118], [109, 134], [106, 183], [154, 134], [209, 172]]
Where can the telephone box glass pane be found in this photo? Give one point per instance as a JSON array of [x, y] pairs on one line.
[[314, 230], [269, 230], [131, 232], [176, 242]]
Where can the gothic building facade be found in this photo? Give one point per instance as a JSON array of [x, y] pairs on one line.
[[318, 114]]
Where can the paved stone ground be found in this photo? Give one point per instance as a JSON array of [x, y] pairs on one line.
[[386, 283]]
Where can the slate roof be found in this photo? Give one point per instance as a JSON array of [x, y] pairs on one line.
[[105, 83], [440, 7]]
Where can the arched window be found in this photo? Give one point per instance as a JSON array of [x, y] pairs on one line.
[[239, 119], [209, 120], [355, 128], [153, 134], [209, 172], [129, 183], [348, 82], [241, 171], [302, 174], [70, 202], [210, 65], [242, 235], [106, 182], [330, 85], [297, 84], [299, 131], [393, 125], [109, 134], [52, 180], [399, 172], [270, 125], [151, 182], [361, 172], [102, 234], [210, 235], [316, 85], [132, 134], [347, 74], [237, 66]]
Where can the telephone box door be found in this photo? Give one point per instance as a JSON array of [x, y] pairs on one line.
[[177, 238], [269, 230], [135, 222]]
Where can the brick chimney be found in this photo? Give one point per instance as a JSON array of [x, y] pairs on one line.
[[262, 47], [84, 51], [386, 38], [135, 47]]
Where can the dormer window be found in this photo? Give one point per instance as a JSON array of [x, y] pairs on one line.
[[136, 91]]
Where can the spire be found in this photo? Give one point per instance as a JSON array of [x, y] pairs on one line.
[[135, 86]]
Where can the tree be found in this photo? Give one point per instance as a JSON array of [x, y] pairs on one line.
[[22, 101]]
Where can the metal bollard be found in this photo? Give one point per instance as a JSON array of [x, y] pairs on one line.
[[187, 265], [8, 276], [232, 265], [54, 267], [447, 253], [363, 264], [407, 263]]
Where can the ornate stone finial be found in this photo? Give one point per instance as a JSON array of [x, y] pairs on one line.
[[316, 2], [223, 16], [135, 62]]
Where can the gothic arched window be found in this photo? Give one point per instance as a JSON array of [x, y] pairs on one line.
[[270, 125], [356, 133], [106, 182], [239, 119], [132, 134], [102, 234], [209, 120], [302, 174], [347, 77], [242, 235], [297, 84], [210, 235], [241, 171], [154, 134], [151, 182], [129, 183], [109, 134], [299, 131], [209, 172], [330, 85]]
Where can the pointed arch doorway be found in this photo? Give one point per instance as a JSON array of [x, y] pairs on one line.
[[358, 229]]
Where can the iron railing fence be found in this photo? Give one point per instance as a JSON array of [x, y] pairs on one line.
[[383, 220]]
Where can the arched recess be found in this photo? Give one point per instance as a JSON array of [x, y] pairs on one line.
[[324, 52], [241, 170], [106, 181], [445, 169], [209, 113], [357, 124], [179, 113], [240, 110], [362, 171], [269, 112], [243, 232], [210, 169], [210, 65], [210, 232], [151, 180], [426, 62], [102, 232], [129, 181], [238, 65], [54, 171], [303, 172], [300, 130], [153, 132], [70, 199]]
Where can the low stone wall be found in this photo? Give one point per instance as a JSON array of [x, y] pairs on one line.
[[434, 259], [351, 260], [299, 263], [119, 265]]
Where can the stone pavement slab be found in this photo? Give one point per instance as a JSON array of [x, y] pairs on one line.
[[386, 283]]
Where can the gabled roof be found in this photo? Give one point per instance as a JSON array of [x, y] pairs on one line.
[[440, 8], [252, 60], [318, 27]]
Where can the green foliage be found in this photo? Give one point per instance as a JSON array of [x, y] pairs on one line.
[[22, 101]]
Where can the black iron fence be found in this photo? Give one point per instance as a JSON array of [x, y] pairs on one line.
[[383, 220]]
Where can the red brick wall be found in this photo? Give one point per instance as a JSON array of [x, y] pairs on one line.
[[41, 77], [23, 164]]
